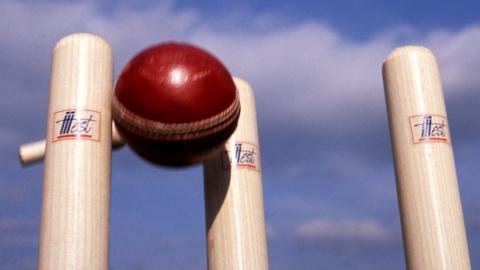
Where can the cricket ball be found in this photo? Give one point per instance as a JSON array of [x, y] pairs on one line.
[[175, 104]]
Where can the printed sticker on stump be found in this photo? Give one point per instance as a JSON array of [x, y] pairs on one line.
[[76, 125], [429, 128], [241, 155]]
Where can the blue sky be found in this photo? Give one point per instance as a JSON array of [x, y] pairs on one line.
[[316, 71]]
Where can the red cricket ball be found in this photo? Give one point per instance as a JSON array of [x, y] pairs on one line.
[[175, 104]]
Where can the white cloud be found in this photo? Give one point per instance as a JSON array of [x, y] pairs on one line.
[[305, 72], [29, 31], [32, 28], [321, 230], [307, 77], [459, 58]]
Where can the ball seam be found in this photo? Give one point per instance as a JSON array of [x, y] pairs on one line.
[[178, 131]]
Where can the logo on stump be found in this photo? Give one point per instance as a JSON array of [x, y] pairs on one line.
[[241, 155], [429, 128], [76, 125]]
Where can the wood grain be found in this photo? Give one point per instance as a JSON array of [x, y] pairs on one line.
[[76, 187], [431, 213], [233, 196]]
